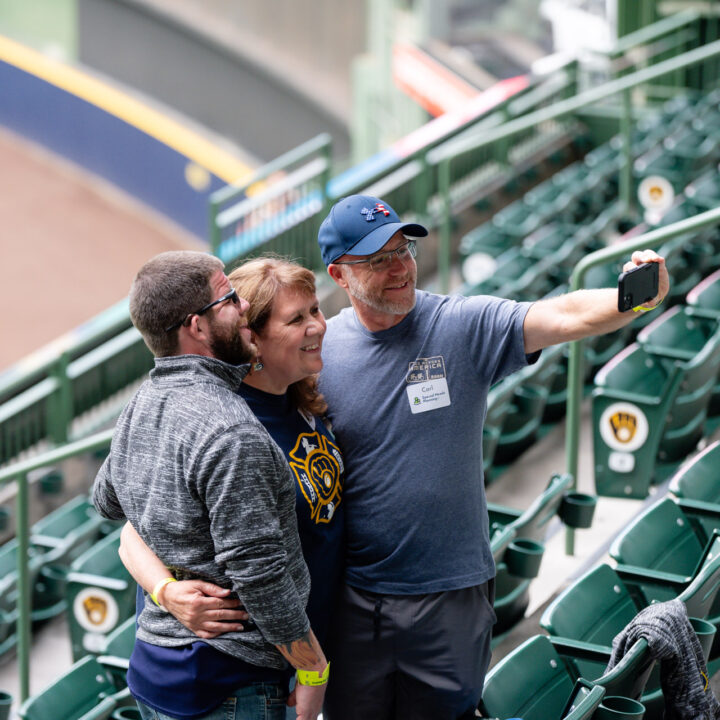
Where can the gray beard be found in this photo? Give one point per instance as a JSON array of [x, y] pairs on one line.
[[377, 303]]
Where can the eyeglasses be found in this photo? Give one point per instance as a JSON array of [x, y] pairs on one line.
[[382, 261], [232, 295]]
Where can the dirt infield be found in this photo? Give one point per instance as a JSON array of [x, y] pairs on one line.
[[71, 245]]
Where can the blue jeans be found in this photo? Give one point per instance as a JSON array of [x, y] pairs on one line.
[[258, 701]]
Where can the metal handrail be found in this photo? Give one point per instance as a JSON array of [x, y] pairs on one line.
[[19, 473], [651, 239]]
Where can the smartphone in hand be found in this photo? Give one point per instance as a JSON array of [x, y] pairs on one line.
[[638, 285]]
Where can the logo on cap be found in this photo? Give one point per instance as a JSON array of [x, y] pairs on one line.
[[370, 214]]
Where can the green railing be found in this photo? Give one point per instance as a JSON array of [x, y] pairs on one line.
[[650, 240], [446, 157], [18, 473], [281, 217]]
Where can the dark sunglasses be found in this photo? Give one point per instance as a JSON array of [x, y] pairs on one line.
[[232, 295]]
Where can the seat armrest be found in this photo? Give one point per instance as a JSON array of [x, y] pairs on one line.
[[698, 507], [658, 578], [579, 650]]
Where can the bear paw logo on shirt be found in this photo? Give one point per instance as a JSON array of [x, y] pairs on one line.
[[317, 465]]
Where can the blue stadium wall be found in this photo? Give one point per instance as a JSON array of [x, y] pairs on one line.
[[109, 133]]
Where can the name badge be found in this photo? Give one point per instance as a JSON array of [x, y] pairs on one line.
[[429, 395]]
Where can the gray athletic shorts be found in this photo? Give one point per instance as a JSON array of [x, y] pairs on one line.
[[410, 657]]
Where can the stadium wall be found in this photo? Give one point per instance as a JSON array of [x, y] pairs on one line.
[[152, 157], [212, 70]]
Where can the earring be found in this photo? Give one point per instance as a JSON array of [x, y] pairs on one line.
[[258, 365]]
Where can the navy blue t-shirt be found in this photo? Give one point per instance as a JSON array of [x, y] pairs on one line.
[[191, 680]]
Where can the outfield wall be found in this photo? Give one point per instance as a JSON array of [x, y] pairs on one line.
[[154, 158]]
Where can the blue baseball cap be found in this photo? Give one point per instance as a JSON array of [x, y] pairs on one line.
[[360, 225]]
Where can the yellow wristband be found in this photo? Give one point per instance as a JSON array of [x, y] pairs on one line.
[[310, 677], [640, 308], [159, 587]]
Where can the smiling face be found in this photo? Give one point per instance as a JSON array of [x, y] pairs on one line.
[[390, 291], [290, 343]]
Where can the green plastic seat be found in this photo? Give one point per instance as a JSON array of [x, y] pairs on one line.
[[632, 396], [525, 416], [704, 192], [518, 219], [666, 547], [704, 299], [486, 238], [650, 402], [534, 682], [677, 334], [9, 591], [511, 591], [499, 403], [115, 656], [100, 595], [68, 531], [85, 692], [698, 479], [62, 536], [661, 538], [596, 607]]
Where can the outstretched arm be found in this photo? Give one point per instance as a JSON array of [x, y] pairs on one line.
[[202, 607], [584, 313]]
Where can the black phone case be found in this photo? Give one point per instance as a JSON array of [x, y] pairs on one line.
[[638, 285]]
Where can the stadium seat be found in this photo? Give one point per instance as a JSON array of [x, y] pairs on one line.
[[68, 531], [596, 607], [115, 657], [650, 402], [100, 595], [533, 682], [518, 219], [678, 335], [697, 479], [85, 692], [512, 590], [661, 538], [704, 299], [682, 156], [703, 193], [524, 418], [61, 537], [9, 591], [666, 547], [499, 403]]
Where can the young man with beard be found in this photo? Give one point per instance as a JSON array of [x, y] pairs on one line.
[[406, 376], [200, 480]]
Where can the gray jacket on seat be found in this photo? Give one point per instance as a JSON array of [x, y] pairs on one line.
[[683, 674], [207, 489]]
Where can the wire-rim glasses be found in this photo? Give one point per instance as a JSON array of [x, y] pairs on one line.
[[382, 261]]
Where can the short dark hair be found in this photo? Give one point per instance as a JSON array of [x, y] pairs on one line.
[[166, 289]]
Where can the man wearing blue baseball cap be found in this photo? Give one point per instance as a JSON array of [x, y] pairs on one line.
[[406, 377]]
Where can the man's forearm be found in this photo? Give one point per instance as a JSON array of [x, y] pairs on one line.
[[304, 653], [584, 313]]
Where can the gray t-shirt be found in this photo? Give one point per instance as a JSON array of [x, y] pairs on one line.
[[407, 406]]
